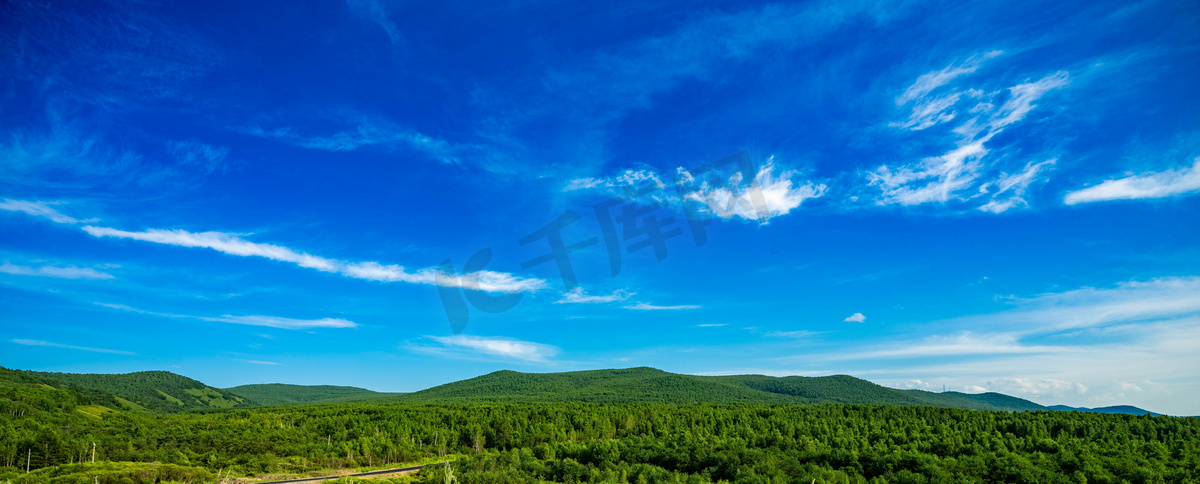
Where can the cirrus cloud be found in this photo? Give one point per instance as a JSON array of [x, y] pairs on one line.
[[1162, 184]]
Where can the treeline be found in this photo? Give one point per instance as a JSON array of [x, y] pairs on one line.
[[636, 443]]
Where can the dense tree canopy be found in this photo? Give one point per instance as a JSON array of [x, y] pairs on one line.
[[636, 443]]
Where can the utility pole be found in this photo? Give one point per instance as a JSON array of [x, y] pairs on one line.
[[93, 452]]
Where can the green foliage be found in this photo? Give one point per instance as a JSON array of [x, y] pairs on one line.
[[154, 390], [281, 394], [115, 473], [51, 425], [592, 442]]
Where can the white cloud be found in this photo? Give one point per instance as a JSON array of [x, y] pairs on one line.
[[767, 195], [949, 176], [855, 318], [935, 179], [1046, 388], [233, 244], [357, 131], [933, 80], [268, 321], [31, 342], [931, 112], [1014, 187], [260, 362], [1104, 340], [917, 385], [221, 242], [285, 323], [578, 296], [974, 389], [490, 281], [1128, 387], [955, 345], [641, 306], [628, 179], [1022, 96], [1127, 302], [764, 197], [1149, 185], [792, 334], [712, 325], [495, 346], [37, 209], [69, 272]]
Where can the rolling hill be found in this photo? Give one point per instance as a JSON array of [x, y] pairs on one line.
[[145, 390], [283, 394], [168, 392], [652, 385]]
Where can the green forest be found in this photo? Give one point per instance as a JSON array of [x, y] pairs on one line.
[[53, 431]]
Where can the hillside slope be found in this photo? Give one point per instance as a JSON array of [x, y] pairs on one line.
[[145, 390], [283, 394], [652, 385]]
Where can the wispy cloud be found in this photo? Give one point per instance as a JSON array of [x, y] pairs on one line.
[[855, 318], [268, 321], [791, 334], [1087, 345], [201, 156], [374, 11], [31, 342], [933, 80], [952, 175], [285, 323], [489, 346], [953, 345], [354, 131], [69, 272], [928, 111], [233, 244], [711, 325], [1170, 183], [1044, 388], [628, 77], [37, 209], [641, 306], [627, 180], [768, 194], [221, 242], [260, 362], [578, 296], [1013, 187]]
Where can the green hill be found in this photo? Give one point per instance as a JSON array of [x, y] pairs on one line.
[[282, 394], [145, 390], [168, 392], [652, 385]]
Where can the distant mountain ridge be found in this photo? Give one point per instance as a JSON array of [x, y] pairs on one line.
[[1127, 409], [168, 392], [161, 391], [652, 385]]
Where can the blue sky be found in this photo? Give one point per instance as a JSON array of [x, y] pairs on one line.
[[980, 196]]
